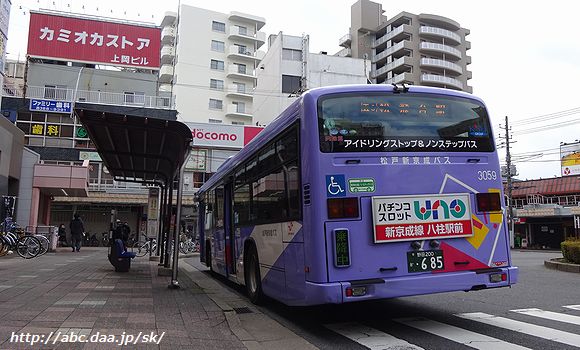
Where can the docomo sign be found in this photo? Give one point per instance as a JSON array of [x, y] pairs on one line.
[[85, 40], [405, 218], [217, 135]]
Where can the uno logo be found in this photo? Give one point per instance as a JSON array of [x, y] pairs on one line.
[[455, 208]]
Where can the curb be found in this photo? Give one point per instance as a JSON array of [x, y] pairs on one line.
[[555, 264], [232, 318]]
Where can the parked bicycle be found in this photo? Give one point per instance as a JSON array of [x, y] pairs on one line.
[[145, 247], [13, 238]]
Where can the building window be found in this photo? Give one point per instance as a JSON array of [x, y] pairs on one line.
[[216, 84], [240, 107], [238, 123], [134, 98], [240, 87], [242, 30], [217, 65], [215, 121], [243, 49], [55, 92], [291, 55], [216, 104], [218, 46], [291, 84], [241, 68], [218, 26]]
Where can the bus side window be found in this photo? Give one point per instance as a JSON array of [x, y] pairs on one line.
[[208, 220]]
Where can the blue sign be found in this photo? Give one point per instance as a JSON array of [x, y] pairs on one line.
[[50, 106], [335, 186]]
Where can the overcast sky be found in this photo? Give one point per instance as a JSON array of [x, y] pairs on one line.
[[525, 55]]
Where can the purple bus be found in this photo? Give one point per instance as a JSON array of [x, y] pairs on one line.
[[361, 192]]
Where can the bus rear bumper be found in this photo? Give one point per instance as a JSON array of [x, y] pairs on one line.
[[323, 293]]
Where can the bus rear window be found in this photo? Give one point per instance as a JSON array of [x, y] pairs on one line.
[[407, 122]]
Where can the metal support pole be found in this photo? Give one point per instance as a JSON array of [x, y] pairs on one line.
[[168, 226], [161, 218], [177, 229]]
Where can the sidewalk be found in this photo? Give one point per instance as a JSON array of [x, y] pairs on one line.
[[76, 301]]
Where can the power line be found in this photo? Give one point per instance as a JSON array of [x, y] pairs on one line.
[[548, 116], [547, 127]]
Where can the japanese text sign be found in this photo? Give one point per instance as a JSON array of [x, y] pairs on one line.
[[50, 106], [404, 218], [48, 130], [85, 40]]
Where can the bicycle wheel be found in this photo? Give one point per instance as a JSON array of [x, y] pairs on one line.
[[44, 244], [140, 248], [28, 247]]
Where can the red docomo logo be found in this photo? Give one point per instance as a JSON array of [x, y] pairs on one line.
[[215, 136]]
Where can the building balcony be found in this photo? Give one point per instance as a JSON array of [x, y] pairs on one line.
[[168, 35], [237, 33], [167, 54], [439, 21], [395, 34], [166, 73], [169, 18], [86, 96], [241, 53], [439, 80], [400, 62], [234, 110], [445, 49], [345, 41], [403, 45], [346, 52], [244, 17], [440, 33], [441, 64], [235, 71], [236, 91], [399, 78]]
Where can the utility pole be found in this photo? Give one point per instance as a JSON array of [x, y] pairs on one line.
[[508, 161]]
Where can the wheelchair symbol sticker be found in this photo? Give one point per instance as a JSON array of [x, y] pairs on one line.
[[335, 186]]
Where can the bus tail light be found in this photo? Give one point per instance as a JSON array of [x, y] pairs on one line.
[[355, 291], [498, 277], [340, 208], [488, 202]]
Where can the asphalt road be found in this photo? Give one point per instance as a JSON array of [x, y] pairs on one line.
[[416, 320]]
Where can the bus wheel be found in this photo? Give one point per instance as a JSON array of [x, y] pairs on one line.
[[252, 276], [208, 256]]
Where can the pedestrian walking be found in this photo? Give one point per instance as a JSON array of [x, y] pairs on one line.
[[77, 229]]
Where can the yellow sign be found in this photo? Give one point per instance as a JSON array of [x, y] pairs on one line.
[[52, 130], [37, 129]]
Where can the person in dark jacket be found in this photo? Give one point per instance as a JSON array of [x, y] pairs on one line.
[[77, 228], [62, 235]]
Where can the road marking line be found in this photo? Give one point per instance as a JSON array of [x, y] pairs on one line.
[[573, 307], [555, 316], [458, 335], [370, 337], [523, 327]]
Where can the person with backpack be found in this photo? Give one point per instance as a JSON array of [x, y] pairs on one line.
[[77, 229]]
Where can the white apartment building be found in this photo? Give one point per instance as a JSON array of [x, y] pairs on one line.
[[288, 69], [209, 62]]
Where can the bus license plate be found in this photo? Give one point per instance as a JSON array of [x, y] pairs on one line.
[[425, 260]]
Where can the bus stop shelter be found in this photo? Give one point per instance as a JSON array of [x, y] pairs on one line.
[[146, 150]]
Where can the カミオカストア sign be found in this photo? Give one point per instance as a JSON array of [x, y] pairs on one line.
[[93, 41]]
